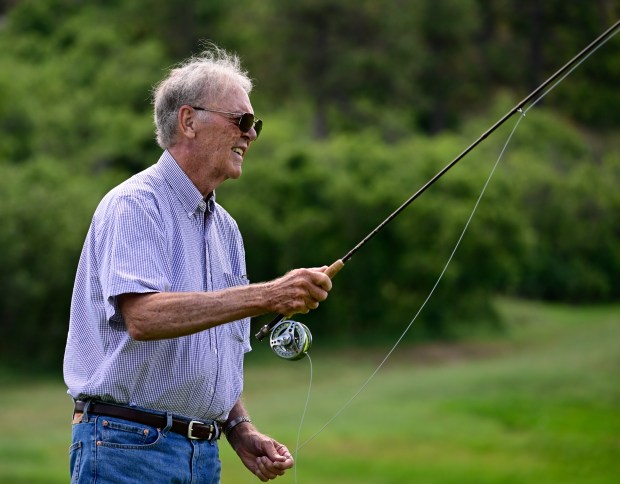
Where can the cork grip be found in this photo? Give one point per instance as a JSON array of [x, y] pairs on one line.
[[334, 268]]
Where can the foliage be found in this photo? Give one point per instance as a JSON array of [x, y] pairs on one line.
[[45, 212], [363, 102], [308, 204], [427, 63], [77, 94]]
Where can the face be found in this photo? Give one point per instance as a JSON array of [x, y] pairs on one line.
[[220, 146]]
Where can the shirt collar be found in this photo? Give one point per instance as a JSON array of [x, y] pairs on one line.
[[190, 197]]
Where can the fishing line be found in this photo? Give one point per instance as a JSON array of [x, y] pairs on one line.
[[293, 339], [560, 74], [578, 60], [432, 291], [303, 416]]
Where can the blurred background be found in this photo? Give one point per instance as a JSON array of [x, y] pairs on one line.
[[362, 102]]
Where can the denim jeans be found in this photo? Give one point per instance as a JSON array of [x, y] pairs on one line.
[[112, 450]]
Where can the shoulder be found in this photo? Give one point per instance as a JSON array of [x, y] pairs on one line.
[[141, 190], [145, 184]]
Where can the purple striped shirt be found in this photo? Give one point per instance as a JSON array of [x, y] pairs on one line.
[[156, 233]]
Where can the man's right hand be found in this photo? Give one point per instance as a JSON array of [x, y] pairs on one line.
[[299, 290]]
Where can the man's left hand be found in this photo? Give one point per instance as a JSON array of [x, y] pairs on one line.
[[262, 455]]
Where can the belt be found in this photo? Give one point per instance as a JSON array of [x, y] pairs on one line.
[[192, 429]]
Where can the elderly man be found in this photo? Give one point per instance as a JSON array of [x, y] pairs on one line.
[[161, 304]]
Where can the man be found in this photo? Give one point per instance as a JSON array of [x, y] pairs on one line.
[[161, 304]]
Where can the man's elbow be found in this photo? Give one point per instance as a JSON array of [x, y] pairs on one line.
[[132, 307], [137, 330]]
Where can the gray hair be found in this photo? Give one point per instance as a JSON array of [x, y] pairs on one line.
[[200, 78]]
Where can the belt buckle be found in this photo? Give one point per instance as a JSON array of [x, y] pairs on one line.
[[190, 429]]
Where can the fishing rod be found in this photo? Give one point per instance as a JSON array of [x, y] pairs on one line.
[[290, 339]]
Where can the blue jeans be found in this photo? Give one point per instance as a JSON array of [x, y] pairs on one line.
[[113, 450]]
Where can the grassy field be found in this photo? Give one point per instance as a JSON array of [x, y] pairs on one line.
[[540, 404]]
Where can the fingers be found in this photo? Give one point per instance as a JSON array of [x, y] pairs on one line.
[[315, 295], [317, 289], [266, 469], [324, 282], [264, 457], [283, 451]]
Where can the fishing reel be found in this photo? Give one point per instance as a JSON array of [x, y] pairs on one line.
[[290, 340]]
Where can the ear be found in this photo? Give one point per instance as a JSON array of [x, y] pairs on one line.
[[187, 121]]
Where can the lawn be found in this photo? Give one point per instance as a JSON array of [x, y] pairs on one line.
[[538, 404]]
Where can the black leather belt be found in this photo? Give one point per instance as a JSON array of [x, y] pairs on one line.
[[192, 429]]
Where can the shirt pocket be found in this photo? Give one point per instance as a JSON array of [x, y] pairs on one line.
[[232, 280]]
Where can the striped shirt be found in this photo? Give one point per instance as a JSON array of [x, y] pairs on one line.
[[156, 233]]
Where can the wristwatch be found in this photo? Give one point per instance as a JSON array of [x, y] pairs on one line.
[[234, 422]]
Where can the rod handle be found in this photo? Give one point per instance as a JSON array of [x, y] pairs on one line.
[[331, 271], [334, 269]]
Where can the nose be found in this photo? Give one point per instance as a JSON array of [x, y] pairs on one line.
[[251, 134]]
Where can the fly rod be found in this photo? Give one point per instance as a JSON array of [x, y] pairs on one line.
[[335, 267]]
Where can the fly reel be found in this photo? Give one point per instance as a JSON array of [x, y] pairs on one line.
[[290, 340]]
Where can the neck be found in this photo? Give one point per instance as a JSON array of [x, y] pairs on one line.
[[195, 169]]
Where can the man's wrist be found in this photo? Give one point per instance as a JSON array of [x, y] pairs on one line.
[[230, 426]]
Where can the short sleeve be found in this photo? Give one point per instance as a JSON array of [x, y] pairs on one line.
[[132, 249]]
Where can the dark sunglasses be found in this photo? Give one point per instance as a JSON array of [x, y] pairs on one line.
[[244, 121]]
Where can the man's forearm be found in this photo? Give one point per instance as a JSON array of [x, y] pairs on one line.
[[162, 315]]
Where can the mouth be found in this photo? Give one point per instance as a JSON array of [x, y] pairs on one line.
[[238, 150]]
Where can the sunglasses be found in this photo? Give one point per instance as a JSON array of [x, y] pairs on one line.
[[244, 121]]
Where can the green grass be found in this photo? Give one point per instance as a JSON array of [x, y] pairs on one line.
[[541, 404]]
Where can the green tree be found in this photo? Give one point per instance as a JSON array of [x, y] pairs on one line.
[[45, 212], [350, 92]]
